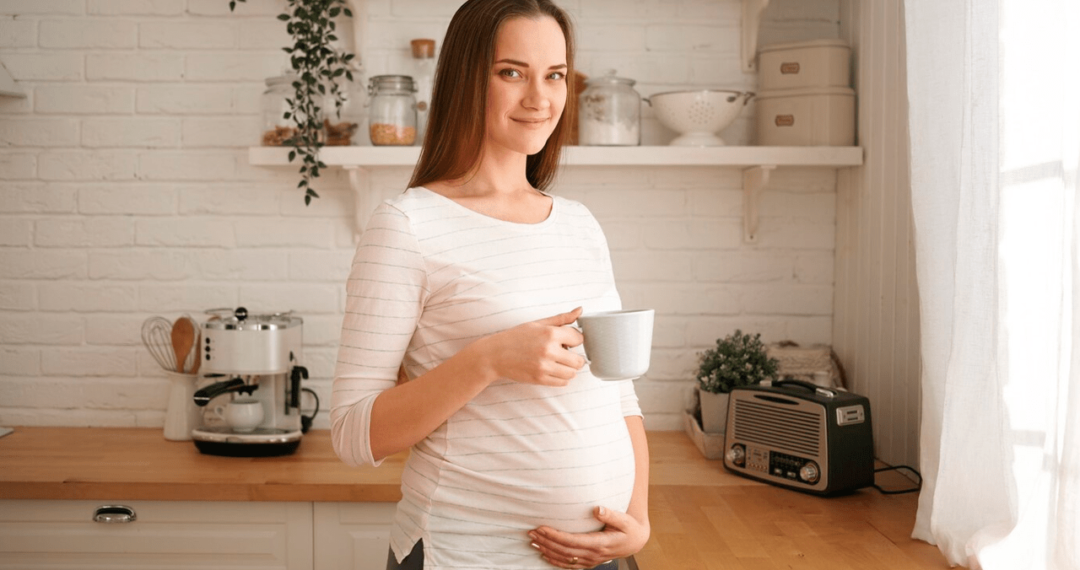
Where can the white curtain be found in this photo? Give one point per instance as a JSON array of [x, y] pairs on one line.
[[994, 110]]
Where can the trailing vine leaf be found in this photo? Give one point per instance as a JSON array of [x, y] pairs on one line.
[[318, 65]]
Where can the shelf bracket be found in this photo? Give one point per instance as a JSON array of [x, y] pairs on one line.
[[363, 201], [8, 87], [754, 180], [751, 22], [359, 26]]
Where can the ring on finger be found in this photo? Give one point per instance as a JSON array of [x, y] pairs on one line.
[[574, 560]]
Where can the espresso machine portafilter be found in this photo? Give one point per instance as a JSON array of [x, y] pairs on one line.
[[253, 356]]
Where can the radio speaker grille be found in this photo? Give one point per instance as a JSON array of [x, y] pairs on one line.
[[792, 431]]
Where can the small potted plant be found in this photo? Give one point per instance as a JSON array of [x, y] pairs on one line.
[[736, 360]]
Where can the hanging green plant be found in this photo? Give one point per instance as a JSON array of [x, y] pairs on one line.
[[319, 66]]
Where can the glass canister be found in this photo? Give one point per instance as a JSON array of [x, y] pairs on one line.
[[276, 129], [423, 52], [609, 112], [348, 126], [392, 112]]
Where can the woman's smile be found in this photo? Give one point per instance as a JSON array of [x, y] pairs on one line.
[[532, 122]]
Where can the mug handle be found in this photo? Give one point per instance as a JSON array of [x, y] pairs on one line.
[[574, 325]]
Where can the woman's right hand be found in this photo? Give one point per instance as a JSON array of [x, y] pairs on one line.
[[536, 352]]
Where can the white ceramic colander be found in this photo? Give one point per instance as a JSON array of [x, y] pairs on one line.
[[698, 115]]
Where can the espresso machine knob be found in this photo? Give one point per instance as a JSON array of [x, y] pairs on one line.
[[240, 313]]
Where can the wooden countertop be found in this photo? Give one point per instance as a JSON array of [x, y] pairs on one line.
[[702, 516], [136, 463], [140, 464]]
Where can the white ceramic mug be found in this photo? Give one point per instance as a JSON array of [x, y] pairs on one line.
[[242, 414], [618, 344]]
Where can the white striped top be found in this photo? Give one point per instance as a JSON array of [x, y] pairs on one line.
[[429, 277]]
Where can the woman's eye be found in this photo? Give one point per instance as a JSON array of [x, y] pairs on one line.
[[557, 75], [510, 73]]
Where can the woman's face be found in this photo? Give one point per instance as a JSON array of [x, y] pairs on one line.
[[527, 88]]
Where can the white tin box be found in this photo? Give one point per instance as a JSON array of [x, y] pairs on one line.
[[818, 116], [818, 63]]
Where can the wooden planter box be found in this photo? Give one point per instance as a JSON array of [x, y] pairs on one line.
[[711, 445]]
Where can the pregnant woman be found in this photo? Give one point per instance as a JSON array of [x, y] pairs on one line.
[[456, 341]]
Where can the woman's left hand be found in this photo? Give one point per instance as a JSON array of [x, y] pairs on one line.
[[621, 536]]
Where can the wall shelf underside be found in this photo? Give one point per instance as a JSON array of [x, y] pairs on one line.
[[734, 156], [757, 163]]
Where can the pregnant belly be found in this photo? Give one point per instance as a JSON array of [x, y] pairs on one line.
[[544, 474], [553, 491]]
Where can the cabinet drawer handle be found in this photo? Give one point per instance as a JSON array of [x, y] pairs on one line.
[[114, 514]]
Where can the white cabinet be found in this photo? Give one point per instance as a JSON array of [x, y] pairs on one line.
[[175, 535], [190, 535], [163, 535], [352, 536]]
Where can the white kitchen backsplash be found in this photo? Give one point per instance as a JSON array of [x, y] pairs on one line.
[[664, 45], [125, 192]]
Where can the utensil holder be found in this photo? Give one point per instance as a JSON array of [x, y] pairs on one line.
[[181, 415]]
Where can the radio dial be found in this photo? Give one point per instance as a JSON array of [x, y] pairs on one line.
[[737, 455], [809, 472]]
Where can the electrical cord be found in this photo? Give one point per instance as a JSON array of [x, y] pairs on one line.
[[900, 491]]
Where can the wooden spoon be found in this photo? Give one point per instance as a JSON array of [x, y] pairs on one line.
[[198, 354], [183, 337]]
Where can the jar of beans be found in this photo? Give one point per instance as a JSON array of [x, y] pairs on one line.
[[276, 129], [347, 125], [392, 113]]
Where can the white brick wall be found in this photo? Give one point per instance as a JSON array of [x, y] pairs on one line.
[[125, 192]]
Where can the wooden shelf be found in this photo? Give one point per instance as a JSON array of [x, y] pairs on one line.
[[734, 156], [757, 163]]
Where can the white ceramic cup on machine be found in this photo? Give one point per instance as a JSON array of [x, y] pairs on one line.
[[618, 344], [242, 414]]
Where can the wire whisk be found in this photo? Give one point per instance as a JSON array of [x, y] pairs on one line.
[[157, 337]]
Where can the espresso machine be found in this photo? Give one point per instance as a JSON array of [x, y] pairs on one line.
[[252, 357]]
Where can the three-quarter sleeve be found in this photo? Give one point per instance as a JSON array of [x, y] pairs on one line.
[[385, 295]]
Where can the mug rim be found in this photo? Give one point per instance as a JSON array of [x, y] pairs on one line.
[[617, 313]]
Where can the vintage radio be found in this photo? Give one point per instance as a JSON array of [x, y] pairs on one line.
[[801, 436]]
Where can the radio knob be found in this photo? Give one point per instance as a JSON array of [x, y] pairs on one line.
[[737, 455], [809, 472]]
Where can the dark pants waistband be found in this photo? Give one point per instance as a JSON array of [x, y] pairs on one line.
[[415, 560]]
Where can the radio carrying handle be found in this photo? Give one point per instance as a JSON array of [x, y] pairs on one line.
[[804, 384]]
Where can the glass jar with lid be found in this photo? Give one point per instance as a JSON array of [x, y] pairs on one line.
[[609, 112], [276, 129], [423, 52], [392, 112], [347, 126]]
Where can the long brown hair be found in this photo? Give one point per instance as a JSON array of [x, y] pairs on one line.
[[454, 140]]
